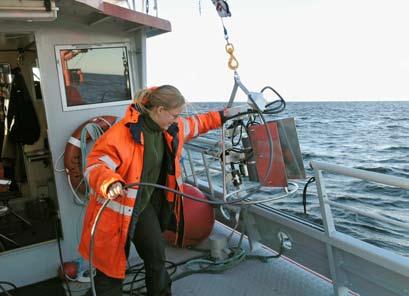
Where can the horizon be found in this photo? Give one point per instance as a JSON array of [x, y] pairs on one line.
[[319, 101]]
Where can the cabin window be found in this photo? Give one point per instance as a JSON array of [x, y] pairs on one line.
[[93, 75], [37, 83]]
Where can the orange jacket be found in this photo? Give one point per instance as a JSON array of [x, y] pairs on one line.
[[118, 156]]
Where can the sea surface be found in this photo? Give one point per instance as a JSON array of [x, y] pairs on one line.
[[102, 88], [372, 136]]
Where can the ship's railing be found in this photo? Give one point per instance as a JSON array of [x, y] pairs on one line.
[[148, 7], [204, 163], [338, 240], [202, 167], [326, 203]]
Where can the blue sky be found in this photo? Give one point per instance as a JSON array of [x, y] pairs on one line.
[[305, 49]]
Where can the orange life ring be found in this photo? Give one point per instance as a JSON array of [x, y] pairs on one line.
[[72, 154]]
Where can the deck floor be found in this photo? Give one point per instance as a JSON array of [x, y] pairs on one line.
[[276, 277], [280, 276], [51, 287]]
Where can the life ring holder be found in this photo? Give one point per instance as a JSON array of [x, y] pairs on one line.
[[73, 154]]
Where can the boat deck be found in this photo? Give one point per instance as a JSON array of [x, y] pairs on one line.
[[275, 276]]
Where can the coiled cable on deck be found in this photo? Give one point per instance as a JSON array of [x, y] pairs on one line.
[[212, 266], [130, 185]]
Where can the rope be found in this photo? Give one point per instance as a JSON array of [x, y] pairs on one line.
[[94, 131], [77, 199], [58, 170], [106, 121], [212, 266]]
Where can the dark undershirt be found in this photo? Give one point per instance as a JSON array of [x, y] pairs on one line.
[[154, 148]]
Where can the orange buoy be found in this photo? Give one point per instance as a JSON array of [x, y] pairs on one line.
[[198, 218], [73, 96]]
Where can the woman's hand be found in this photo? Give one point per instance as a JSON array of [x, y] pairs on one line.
[[115, 190]]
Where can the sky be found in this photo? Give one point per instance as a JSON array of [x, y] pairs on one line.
[[308, 50], [90, 61]]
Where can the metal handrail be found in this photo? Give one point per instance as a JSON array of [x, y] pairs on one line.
[[131, 4], [359, 174], [339, 240], [367, 214], [362, 174]]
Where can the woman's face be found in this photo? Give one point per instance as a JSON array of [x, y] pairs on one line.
[[165, 117]]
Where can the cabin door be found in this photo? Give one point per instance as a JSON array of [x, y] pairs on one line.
[[28, 202]]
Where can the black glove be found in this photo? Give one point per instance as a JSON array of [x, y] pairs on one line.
[[222, 116]]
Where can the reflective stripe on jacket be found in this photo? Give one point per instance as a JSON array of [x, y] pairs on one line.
[[118, 156]]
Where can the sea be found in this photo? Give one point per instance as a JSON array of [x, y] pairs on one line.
[[372, 136], [95, 88]]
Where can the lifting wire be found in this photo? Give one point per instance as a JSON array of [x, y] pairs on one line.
[[233, 63]]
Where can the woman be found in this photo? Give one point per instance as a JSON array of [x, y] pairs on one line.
[[145, 146]]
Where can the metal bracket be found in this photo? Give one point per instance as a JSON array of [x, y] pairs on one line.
[[237, 84], [250, 229]]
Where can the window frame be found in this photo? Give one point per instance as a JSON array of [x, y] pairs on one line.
[[65, 106]]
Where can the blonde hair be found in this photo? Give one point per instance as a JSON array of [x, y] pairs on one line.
[[166, 96]]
